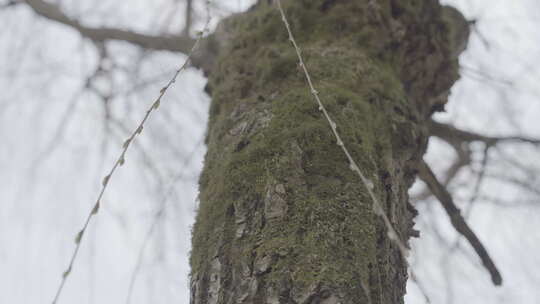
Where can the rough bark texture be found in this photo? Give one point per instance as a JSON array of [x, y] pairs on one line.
[[282, 219]]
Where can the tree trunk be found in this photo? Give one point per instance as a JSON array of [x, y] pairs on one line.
[[282, 218]]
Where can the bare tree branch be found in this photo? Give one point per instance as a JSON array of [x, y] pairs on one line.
[[51, 11], [479, 180], [454, 135], [459, 140], [458, 221], [204, 58], [463, 160]]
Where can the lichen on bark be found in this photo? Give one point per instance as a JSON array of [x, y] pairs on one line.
[[282, 218]]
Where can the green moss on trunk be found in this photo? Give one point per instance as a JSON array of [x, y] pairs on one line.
[[282, 218]]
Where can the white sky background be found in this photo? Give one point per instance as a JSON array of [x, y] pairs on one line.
[[49, 179]]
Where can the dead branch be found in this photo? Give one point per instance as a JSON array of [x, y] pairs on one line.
[[457, 220]]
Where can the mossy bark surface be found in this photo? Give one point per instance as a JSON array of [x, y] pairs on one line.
[[282, 218]]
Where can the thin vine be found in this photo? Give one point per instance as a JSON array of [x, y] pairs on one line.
[[121, 158], [368, 184]]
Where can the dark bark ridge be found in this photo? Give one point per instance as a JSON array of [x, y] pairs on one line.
[[282, 219]]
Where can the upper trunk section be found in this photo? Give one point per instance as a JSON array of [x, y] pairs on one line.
[[282, 218]]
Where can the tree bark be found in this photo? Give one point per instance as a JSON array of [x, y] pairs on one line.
[[282, 218]]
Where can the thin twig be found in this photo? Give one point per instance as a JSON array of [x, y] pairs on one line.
[[479, 180], [188, 16], [420, 286], [157, 217], [449, 132], [120, 161]]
